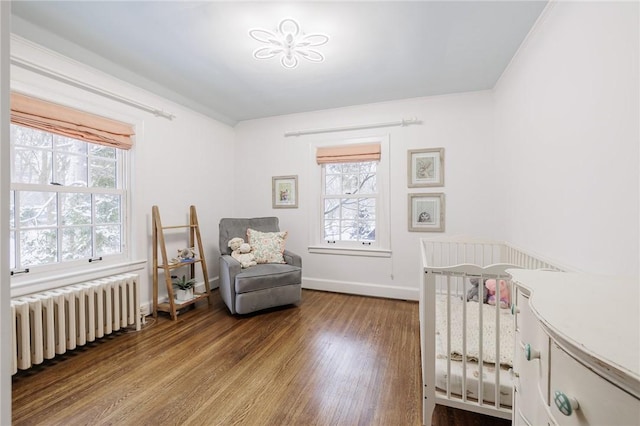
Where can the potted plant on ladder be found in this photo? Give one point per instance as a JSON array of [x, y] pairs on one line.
[[184, 288]]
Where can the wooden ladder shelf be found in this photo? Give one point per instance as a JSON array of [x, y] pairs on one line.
[[173, 306]]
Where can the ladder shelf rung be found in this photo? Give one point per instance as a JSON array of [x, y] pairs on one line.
[[179, 264], [178, 226]]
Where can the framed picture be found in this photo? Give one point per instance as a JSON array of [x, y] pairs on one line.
[[426, 212], [284, 192], [425, 167]]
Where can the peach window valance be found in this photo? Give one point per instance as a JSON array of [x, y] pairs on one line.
[[348, 153], [50, 117]]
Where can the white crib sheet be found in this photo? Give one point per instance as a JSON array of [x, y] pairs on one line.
[[488, 330], [473, 369]]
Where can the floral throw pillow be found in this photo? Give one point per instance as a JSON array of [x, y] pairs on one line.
[[267, 247]]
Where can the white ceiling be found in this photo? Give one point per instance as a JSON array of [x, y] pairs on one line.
[[200, 54]]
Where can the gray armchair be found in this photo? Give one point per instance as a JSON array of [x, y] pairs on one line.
[[261, 286]]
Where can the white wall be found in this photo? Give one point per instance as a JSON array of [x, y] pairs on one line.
[[177, 163], [567, 119], [462, 124]]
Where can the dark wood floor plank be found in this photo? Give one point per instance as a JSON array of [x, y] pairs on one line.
[[333, 360]]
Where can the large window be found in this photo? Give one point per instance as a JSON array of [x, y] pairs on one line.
[[350, 200], [67, 200], [352, 206]]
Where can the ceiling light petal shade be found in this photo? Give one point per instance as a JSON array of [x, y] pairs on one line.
[[289, 42]]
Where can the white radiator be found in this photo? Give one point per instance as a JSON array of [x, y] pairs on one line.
[[50, 323]]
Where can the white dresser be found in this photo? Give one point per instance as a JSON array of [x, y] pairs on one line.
[[577, 359]]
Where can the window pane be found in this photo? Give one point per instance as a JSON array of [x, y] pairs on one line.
[[333, 184], [75, 146], [367, 208], [71, 170], [368, 167], [368, 184], [351, 168], [38, 247], [367, 230], [349, 208], [26, 136], [76, 243], [75, 209], [102, 151], [31, 166], [333, 168], [349, 231], [107, 209], [38, 209], [331, 209], [102, 173], [108, 239], [331, 230], [349, 184]]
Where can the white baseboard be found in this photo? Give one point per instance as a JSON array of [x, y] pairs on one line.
[[362, 289]]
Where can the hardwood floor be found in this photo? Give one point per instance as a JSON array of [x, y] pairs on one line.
[[333, 360]]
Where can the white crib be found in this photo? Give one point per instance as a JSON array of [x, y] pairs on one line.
[[467, 347]]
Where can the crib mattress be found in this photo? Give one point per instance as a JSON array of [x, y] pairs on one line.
[[472, 367]]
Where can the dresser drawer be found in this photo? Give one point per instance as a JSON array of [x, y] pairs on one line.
[[530, 363], [598, 401], [531, 357]]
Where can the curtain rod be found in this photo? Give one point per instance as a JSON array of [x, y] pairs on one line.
[[22, 63], [404, 122]]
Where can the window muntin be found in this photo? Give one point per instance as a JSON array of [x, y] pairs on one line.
[[350, 200], [67, 199]]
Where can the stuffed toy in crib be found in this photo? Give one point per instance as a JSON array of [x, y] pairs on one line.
[[504, 292], [473, 294]]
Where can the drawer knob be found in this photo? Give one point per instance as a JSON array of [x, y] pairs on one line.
[[514, 309], [565, 404], [530, 353]]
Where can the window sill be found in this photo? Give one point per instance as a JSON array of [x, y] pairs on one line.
[[348, 251], [47, 281]]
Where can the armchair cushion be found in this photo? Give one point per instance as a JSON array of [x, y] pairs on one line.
[[268, 275], [267, 247]]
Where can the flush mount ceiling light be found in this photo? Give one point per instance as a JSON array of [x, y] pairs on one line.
[[289, 43]]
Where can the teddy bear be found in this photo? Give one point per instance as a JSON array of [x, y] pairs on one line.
[[234, 243], [241, 252], [184, 255], [504, 292], [473, 292]]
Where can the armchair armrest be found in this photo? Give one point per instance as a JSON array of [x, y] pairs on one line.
[[292, 258], [229, 268]]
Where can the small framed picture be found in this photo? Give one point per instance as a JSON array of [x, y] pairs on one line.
[[426, 212], [425, 167], [285, 192]]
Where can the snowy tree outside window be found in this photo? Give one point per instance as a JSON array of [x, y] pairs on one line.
[[66, 199], [350, 200]]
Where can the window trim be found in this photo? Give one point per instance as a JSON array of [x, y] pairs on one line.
[[383, 228]]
